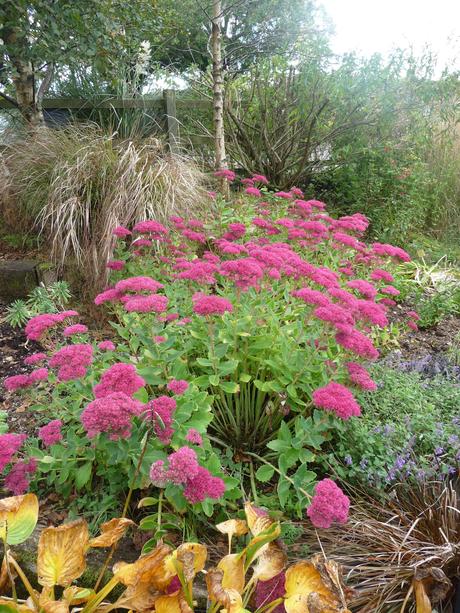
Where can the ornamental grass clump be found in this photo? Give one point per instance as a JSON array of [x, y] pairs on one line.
[[270, 319], [162, 579]]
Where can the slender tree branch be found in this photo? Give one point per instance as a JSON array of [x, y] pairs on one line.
[[9, 99]]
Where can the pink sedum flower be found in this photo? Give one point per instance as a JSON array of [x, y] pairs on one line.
[[338, 399], [211, 305], [106, 346], [138, 284], [147, 304], [111, 414], [121, 232], [120, 377], [75, 329], [329, 504], [360, 376], [51, 433], [16, 382], [203, 485], [115, 265], [160, 411], [40, 374], [18, 479], [253, 191], [158, 474], [9, 444], [35, 358], [183, 465], [178, 386], [194, 437]]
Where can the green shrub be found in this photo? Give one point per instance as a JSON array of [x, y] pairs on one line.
[[43, 299]]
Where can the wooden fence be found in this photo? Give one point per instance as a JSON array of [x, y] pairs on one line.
[[166, 106]]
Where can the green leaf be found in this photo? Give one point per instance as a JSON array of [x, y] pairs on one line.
[[245, 377], [230, 387], [283, 491], [83, 475], [265, 473], [278, 445], [214, 380], [287, 459]]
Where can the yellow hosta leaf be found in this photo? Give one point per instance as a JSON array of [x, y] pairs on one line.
[[172, 603], [18, 518], [232, 566], [258, 520], [8, 606], [314, 587], [259, 543], [76, 595], [229, 598], [5, 582], [49, 605], [111, 532], [236, 527], [271, 562], [61, 554], [145, 579]]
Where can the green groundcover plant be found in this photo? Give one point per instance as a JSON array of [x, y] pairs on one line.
[[235, 351]]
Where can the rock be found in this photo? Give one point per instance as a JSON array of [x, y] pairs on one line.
[[17, 278]]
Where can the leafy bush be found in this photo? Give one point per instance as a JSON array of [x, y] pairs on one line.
[[229, 359], [76, 184], [43, 299], [163, 578], [408, 430]]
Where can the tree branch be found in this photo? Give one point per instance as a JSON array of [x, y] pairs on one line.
[[9, 99], [44, 85]]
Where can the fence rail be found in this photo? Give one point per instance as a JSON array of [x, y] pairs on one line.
[[166, 105]]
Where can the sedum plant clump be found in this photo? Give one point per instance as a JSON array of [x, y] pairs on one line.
[[236, 350], [162, 580]]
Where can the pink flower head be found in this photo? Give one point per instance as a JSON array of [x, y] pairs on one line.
[[121, 232], [194, 437], [64, 314], [138, 284], [212, 195], [154, 229], [412, 325], [312, 296], [75, 329], [390, 250], [412, 314], [370, 311], [9, 445], [111, 414], [235, 231], [160, 411], [191, 235], [357, 343], [154, 303], [108, 295], [17, 382], [260, 179], [296, 191], [120, 377], [328, 504], [360, 376], [141, 242], [363, 287], [245, 272], [115, 265], [335, 315], [285, 195], [158, 474], [40, 374], [337, 398], [203, 485], [178, 386], [38, 325], [253, 191], [390, 290], [106, 346], [159, 339], [51, 433], [17, 480], [387, 302], [183, 465], [382, 275], [211, 305], [247, 182], [226, 174], [72, 361], [35, 358], [200, 271]]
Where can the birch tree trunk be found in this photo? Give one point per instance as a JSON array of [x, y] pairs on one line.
[[218, 91]]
